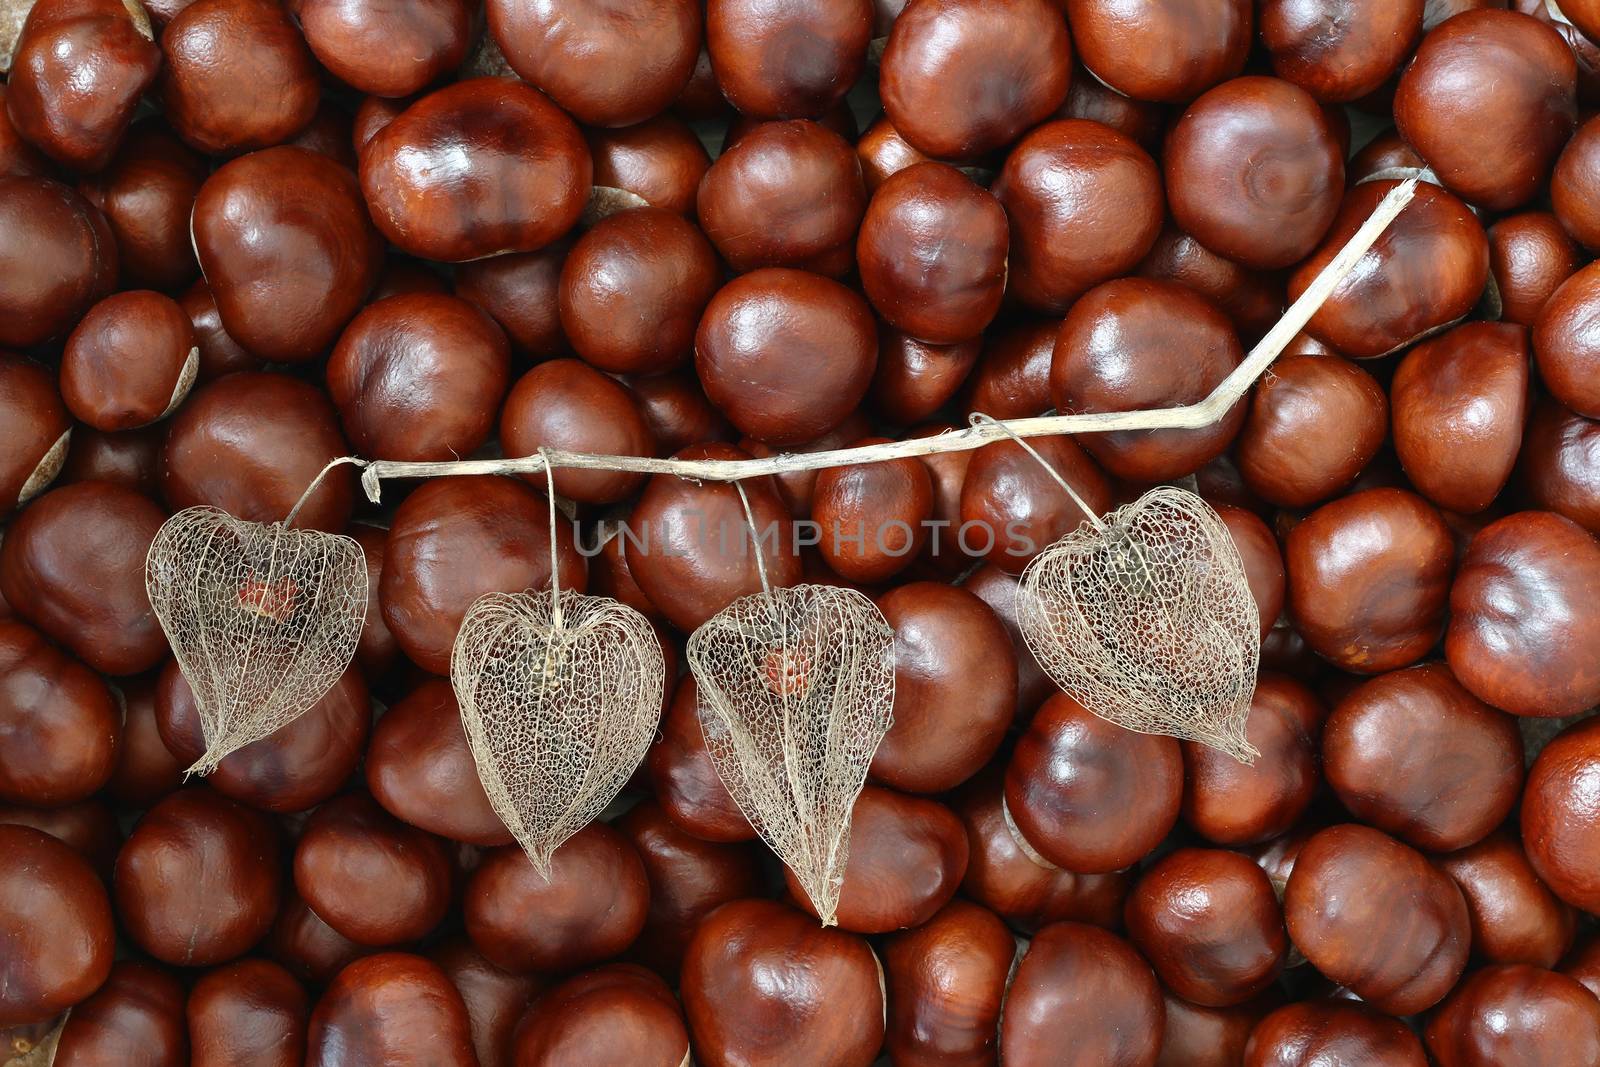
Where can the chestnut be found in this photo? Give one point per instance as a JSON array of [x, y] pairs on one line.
[[678, 411], [420, 769], [311, 949], [946, 981], [1090, 98], [1563, 339], [1387, 155], [418, 376], [1253, 300], [478, 168], [72, 563], [1087, 794], [1493, 149], [38, 430], [632, 290], [1012, 378], [1136, 343], [872, 517], [146, 194], [1339, 905], [1209, 1037], [1315, 422], [1584, 964], [1559, 466], [520, 292], [1414, 753], [287, 248], [76, 77], [17, 156], [1530, 255], [146, 770], [660, 161], [237, 76], [684, 779], [130, 361], [1515, 1016], [251, 444], [764, 986], [1423, 273], [884, 152], [250, 1011], [57, 256], [393, 1008], [1524, 615], [1460, 402], [499, 523], [1368, 578], [1169, 51], [198, 880], [90, 828], [787, 59], [955, 687], [915, 379], [1339, 55], [1209, 923], [1332, 1031], [620, 1014], [591, 908], [219, 353], [1557, 832], [1085, 205], [135, 1018], [331, 133], [1515, 917], [1263, 560], [377, 649], [1081, 996], [1254, 172], [386, 51], [787, 194], [607, 64], [55, 922], [1012, 509], [130, 458], [495, 1000]]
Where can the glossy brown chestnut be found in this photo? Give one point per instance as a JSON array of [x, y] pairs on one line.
[[955, 687], [130, 361], [1169, 51], [620, 1014], [1573, 186], [311, 949], [393, 1008], [1387, 151], [55, 922], [387, 51], [419, 376], [520, 292], [787, 194], [17, 156], [57, 256], [1233, 803], [683, 778], [932, 253], [500, 523], [146, 770], [331, 133], [1340, 908], [1136, 343], [251, 1011], [1525, 616], [1559, 466], [661, 161], [251, 444], [1515, 918], [1088, 795], [38, 430], [785, 354], [1209, 1037], [567, 404], [89, 828], [1254, 173], [612, 63], [1081, 997], [632, 290], [872, 516], [1012, 379], [1413, 753], [765, 986], [1085, 205], [960, 78], [1090, 98], [1516, 1016], [72, 564], [219, 353], [130, 458], [198, 880], [884, 152], [146, 195], [1339, 54], [481, 167], [495, 1000], [135, 1018], [1368, 578], [786, 59], [1494, 149], [1426, 271], [915, 379], [1315, 1032], [1012, 509], [1557, 831], [1262, 558], [420, 768], [1252, 300], [1563, 340], [946, 980], [237, 76], [591, 908], [288, 250], [76, 77], [1530, 255], [1315, 423], [1209, 923]]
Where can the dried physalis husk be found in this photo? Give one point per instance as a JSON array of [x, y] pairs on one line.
[[797, 688], [1148, 621], [559, 706], [262, 619]]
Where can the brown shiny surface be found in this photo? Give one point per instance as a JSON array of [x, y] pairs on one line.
[[495, 1000], [1530, 255], [519, 291], [1516, 1016], [130, 458], [35, 419], [946, 981], [884, 152], [914, 380], [135, 1019], [1012, 509], [1315, 1032], [219, 353], [683, 778], [1559, 466], [390, 50], [620, 1014], [1339, 52], [311, 949], [55, 922], [146, 194], [787, 58], [1090, 98], [394, 1008], [90, 828], [1563, 342], [1558, 829], [678, 411], [1169, 50], [1012, 379], [1253, 300], [1515, 917], [127, 363], [1573, 187], [252, 1011], [1262, 558], [146, 770], [872, 516], [1315, 422], [660, 160], [57, 256]]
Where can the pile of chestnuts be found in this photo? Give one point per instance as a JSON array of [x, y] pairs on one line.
[[240, 238]]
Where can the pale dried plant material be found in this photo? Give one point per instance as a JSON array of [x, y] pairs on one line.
[[1146, 619], [560, 694], [262, 619], [798, 688]]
